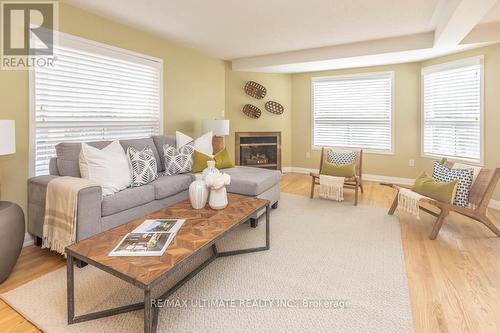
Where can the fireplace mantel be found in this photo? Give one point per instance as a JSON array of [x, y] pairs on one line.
[[258, 149]]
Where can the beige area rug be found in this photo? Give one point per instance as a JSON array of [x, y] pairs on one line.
[[321, 252]]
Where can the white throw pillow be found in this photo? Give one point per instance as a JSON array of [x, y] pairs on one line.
[[107, 167], [203, 144]]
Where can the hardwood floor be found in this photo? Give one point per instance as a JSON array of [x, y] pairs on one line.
[[33, 262], [454, 280]]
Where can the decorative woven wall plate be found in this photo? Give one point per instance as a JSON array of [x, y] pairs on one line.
[[255, 89], [274, 107], [251, 111]]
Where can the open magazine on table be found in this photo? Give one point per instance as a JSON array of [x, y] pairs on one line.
[[151, 238]]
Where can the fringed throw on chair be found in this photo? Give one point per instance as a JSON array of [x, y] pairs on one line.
[[331, 187], [408, 201]]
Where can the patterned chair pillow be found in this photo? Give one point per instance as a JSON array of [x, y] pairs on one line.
[[142, 165], [463, 177], [178, 160], [341, 157]]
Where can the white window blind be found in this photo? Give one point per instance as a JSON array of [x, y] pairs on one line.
[[452, 110], [94, 92], [353, 111]]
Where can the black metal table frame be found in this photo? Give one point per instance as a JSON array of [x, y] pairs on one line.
[[150, 311]]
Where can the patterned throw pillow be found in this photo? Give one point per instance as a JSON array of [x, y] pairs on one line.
[[178, 160], [341, 157], [143, 166], [463, 177]]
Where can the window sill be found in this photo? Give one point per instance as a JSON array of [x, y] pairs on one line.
[[365, 151], [453, 159]]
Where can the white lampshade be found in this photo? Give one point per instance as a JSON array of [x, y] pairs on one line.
[[218, 127], [7, 137]]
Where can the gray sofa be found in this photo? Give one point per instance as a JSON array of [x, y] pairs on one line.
[[96, 213]]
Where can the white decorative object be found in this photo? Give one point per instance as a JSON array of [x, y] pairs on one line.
[[210, 169], [7, 137], [203, 144], [108, 167], [198, 192], [218, 198], [218, 194]]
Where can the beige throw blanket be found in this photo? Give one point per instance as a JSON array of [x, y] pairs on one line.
[[331, 187], [59, 227], [408, 201]]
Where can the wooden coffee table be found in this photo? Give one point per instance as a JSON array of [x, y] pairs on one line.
[[202, 229]]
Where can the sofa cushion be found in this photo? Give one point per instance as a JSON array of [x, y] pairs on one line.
[[107, 167], [167, 186], [251, 181], [178, 160], [128, 198], [67, 156], [160, 141], [142, 165], [202, 144], [140, 144]]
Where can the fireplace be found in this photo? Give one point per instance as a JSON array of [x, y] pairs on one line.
[[259, 149]]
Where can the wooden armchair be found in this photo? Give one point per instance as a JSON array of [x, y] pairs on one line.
[[479, 198], [354, 182]]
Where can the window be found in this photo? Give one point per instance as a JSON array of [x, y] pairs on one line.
[[93, 92], [353, 111], [452, 110]]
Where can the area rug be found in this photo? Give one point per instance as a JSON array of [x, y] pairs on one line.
[[332, 267]]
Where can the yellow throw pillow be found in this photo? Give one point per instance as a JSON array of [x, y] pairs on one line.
[[440, 191], [338, 170], [200, 161], [223, 160]]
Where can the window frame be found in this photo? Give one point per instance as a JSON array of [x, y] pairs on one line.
[[391, 151], [445, 66], [95, 47]]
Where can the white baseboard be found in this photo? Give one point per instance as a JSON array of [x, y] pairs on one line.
[[495, 204], [388, 179], [366, 176], [298, 170], [28, 240]]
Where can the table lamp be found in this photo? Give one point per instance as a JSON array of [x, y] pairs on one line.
[[219, 128]]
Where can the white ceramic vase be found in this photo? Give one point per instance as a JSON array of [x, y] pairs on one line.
[[210, 169], [198, 192], [218, 198]]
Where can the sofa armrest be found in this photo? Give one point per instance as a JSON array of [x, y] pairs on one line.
[[37, 188], [89, 212], [88, 220]]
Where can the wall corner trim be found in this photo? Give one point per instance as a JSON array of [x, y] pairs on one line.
[[28, 240]]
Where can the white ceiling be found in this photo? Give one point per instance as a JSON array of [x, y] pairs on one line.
[[230, 29], [313, 31], [493, 15]]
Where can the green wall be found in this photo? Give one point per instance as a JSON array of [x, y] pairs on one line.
[[279, 89]]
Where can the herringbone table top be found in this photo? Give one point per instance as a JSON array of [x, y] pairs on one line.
[[201, 227]]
